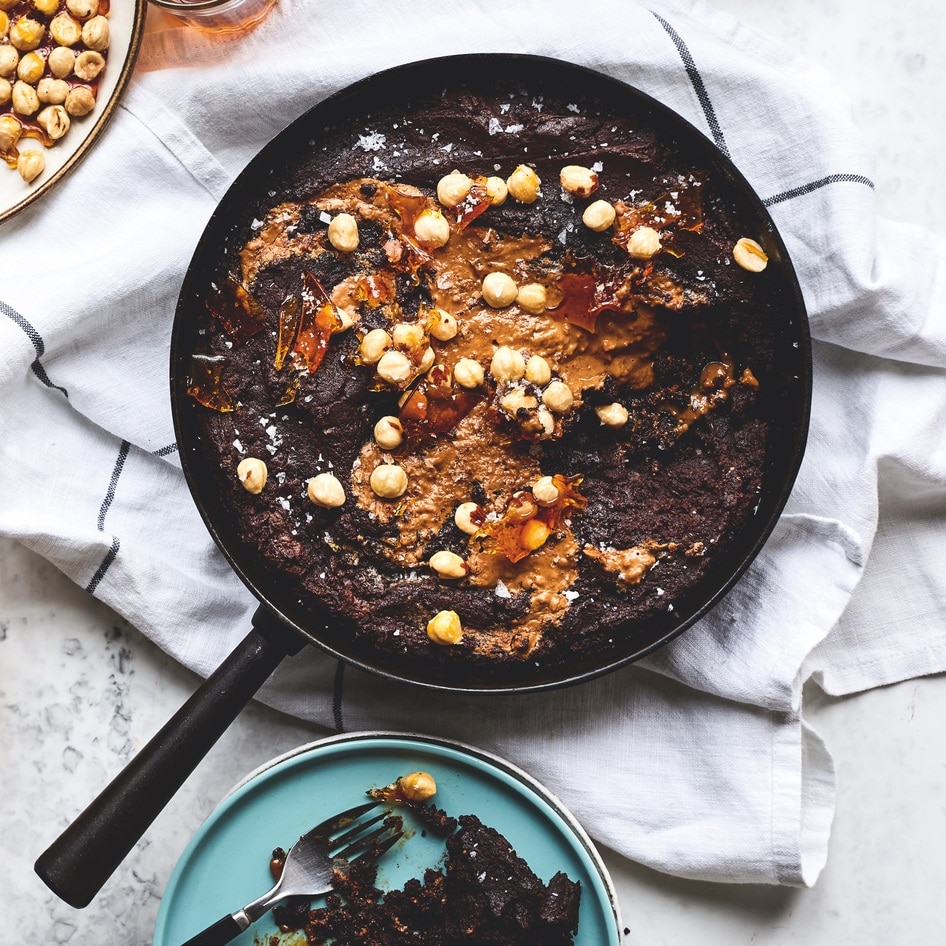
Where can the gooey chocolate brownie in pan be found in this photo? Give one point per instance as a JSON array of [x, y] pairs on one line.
[[484, 378]]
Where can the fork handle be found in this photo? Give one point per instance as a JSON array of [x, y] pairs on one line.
[[225, 929]]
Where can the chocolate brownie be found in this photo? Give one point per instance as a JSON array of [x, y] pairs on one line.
[[489, 380]]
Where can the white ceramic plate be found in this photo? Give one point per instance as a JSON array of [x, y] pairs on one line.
[[126, 26]]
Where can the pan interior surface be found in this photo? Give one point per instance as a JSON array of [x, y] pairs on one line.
[[354, 134]]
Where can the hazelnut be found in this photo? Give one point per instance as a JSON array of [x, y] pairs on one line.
[[532, 298], [4, 23], [46, 7], [507, 364], [496, 191], [54, 120], [612, 415], [547, 421], [388, 433], [518, 399], [408, 335], [427, 360], [89, 64], [9, 60], [578, 180], [545, 491], [61, 61], [431, 228], [95, 33], [65, 30], [447, 564], [30, 164], [343, 232], [81, 9], [52, 91], [252, 473], [25, 99], [644, 243], [445, 628], [6, 93], [443, 326], [468, 373], [499, 290], [749, 255], [533, 534], [466, 517], [27, 34], [538, 371], [80, 101], [374, 345], [10, 132], [521, 505], [388, 480], [453, 188], [598, 216], [31, 67], [418, 786], [326, 490], [523, 184], [395, 368], [558, 397]]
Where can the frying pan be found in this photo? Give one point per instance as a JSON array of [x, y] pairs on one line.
[[78, 863]]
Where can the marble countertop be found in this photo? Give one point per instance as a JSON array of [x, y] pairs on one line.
[[81, 690]]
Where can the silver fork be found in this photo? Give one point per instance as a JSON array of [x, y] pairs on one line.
[[308, 868]]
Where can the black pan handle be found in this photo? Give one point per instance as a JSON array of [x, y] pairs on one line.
[[84, 856], [224, 930]]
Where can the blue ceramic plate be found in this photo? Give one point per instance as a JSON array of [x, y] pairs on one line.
[[226, 865]]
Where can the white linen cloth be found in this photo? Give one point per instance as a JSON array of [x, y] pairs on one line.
[[698, 761]]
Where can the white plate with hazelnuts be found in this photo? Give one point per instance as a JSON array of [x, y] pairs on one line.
[[63, 66]]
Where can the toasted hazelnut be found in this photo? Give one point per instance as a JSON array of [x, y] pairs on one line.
[[408, 335], [388, 480], [52, 91], [558, 397], [342, 232], [445, 628], [523, 184], [452, 189], [538, 371], [431, 228], [54, 120], [533, 534], [24, 97], [6, 93], [95, 33], [507, 364], [499, 290], [10, 132], [644, 243], [61, 61], [496, 191], [27, 34], [46, 7], [749, 255], [522, 505], [518, 399], [443, 326], [4, 24], [374, 345], [418, 786], [467, 518], [598, 216], [468, 373], [81, 9], [65, 30], [9, 60], [612, 415], [427, 360], [447, 564], [89, 64], [30, 164], [388, 433], [545, 491], [546, 420], [80, 101], [252, 474], [326, 490], [532, 298], [578, 180], [31, 67], [395, 368]]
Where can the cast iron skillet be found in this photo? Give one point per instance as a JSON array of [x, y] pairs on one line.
[[79, 862]]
